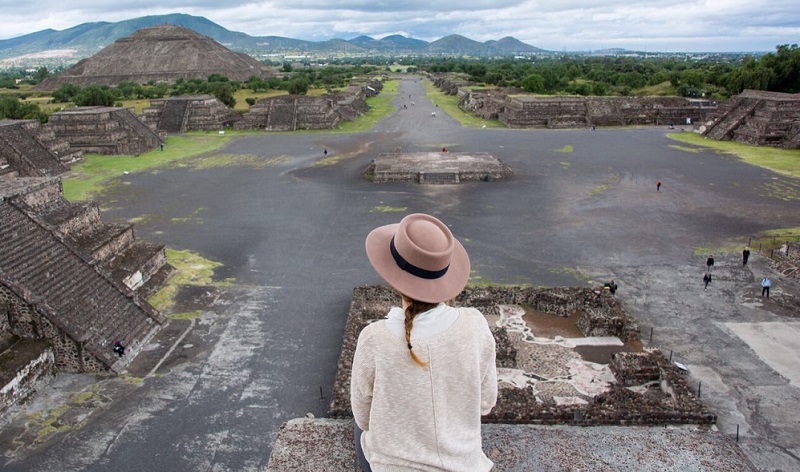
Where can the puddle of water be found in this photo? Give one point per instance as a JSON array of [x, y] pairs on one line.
[[545, 325], [602, 354]]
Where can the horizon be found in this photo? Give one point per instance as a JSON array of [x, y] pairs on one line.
[[684, 27]]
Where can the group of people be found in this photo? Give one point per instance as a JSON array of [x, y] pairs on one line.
[[766, 282]]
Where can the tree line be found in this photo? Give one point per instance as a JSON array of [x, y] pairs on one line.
[[717, 77]]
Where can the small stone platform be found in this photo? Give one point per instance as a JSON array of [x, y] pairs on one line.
[[436, 168]]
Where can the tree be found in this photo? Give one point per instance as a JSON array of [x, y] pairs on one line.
[[533, 83], [287, 67], [224, 93], [13, 109], [95, 95], [66, 93], [298, 86], [41, 74]]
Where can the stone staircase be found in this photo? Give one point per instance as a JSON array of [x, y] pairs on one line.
[[173, 116], [52, 285], [23, 152], [104, 130], [732, 116]]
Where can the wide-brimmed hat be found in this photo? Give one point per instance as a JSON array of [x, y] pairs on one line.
[[420, 258]]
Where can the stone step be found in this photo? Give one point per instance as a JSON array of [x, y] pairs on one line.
[[308, 444]]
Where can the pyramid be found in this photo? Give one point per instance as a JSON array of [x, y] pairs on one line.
[[160, 53]]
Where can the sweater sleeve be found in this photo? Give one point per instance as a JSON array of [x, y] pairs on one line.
[[488, 367], [362, 379]]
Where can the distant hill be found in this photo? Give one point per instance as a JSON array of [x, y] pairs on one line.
[[84, 40]]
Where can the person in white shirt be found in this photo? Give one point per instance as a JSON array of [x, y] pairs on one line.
[[423, 377]]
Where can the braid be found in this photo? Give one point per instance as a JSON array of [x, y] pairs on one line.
[[412, 310]]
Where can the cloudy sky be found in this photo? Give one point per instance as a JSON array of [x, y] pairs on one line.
[[651, 25]]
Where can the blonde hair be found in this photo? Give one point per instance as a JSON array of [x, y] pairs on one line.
[[414, 308]]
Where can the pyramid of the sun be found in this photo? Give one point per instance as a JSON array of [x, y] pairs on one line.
[[160, 53]]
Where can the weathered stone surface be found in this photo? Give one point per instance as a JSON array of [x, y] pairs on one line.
[[436, 168], [325, 444], [160, 53], [181, 114], [293, 112], [543, 381], [31, 150], [518, 110], [68, 278], [759, 118], [104, 130]]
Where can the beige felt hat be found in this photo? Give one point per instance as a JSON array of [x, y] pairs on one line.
[[420, 258]]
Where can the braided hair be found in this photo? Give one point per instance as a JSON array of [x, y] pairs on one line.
[[413, 308]]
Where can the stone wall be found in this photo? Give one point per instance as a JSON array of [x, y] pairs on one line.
[[181, 114], [518, 110], [648, 390], [104, 130], [757, 118], [293, 112], [24, 368], [32, 151], [26, 322]]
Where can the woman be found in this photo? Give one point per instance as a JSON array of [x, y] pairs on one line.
[[423, 377]]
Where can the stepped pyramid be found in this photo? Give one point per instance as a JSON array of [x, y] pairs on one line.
[[160, 53], [71, 280]]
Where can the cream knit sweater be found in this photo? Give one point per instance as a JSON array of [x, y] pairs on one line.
[[425, 419]]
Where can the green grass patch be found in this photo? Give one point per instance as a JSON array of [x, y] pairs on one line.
[[605, 186], [191, 269], [575, 273], [663, 89], [566, 149], [242, 95], [89, 176], [782, 161], [764, 241], [693, 150], [380, 106], [565, 165], [138, 105], [388, 209], [449, 104], [186, 316]]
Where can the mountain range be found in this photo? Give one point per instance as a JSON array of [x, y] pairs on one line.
[[84, 40]]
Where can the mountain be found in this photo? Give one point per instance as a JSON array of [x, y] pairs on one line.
[[513, 46], [460, 45], [84, 40]]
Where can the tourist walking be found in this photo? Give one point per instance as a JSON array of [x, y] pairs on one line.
[[423, 376], [766, 283], [745, 255], [710, 263], [706, 280], [658, 185]]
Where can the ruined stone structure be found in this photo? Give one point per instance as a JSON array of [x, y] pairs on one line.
[[436, 168], [32, 150], [181, 114], [162, 53], [518, 110], [71, 281], [293, 112], [758, 117], [103, 130], [638, 388]]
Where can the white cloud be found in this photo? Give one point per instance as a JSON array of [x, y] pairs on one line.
[[691, 25]]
